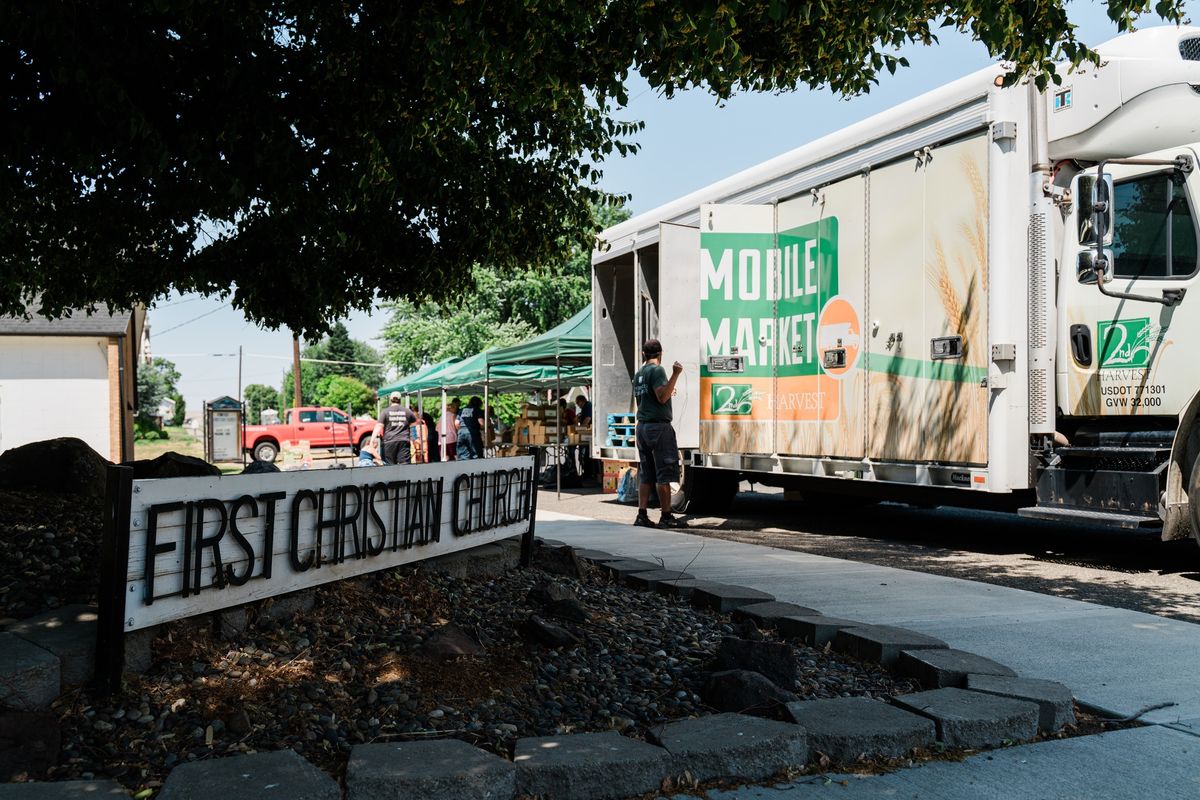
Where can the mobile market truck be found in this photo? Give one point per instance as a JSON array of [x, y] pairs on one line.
[[981, 297]]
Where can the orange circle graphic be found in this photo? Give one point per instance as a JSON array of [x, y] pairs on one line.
[[838, 329]]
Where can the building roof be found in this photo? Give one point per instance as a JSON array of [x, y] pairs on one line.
[[103, 322]]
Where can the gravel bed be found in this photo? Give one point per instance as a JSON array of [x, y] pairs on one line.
[[353, 670], [47, 540]]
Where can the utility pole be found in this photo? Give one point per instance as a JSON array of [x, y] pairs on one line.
[[296, 402], [239, 373]]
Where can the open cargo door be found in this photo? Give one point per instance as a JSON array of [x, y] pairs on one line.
[[737, 328], [679, 323]]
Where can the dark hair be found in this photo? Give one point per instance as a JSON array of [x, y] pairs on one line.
[[475, 402], [652, 348]]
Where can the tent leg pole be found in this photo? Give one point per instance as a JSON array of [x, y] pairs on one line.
[[558, 420], [442, 424], [487, 427]]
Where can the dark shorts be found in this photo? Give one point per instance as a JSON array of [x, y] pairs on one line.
[[658, 453]]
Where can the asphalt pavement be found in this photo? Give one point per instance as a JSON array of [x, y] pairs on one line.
[[1116, 661]]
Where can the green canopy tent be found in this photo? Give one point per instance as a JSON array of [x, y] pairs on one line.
[[417, 380], [568, 345]]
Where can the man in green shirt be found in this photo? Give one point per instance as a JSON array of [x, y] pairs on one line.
[[657, 450]]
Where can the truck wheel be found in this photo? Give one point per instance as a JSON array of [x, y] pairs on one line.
[[706, 491], [266, 451], [360, 444], [1194, 500]]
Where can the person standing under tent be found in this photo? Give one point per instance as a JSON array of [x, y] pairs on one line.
[[430, 435], [470, 433], [583, 415], [393, 429], [447, 428], [657, 449]]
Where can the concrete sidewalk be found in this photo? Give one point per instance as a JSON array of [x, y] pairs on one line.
[[1113, 660]]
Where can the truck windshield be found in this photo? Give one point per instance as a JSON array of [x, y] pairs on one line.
[[1155, 234]]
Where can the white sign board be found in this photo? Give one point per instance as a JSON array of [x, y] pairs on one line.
[[226, 438], [202, 544]]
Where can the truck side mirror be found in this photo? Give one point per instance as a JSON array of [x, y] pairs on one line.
[[1096, 216], [1086, 264]]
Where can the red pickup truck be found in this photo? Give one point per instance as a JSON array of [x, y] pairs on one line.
[[320, 426]]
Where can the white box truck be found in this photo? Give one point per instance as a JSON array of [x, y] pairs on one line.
[[981, 297]]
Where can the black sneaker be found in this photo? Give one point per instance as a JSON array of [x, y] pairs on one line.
[[671, 521], [643, 520]]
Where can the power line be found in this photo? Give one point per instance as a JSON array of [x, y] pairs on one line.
[[193, 319]]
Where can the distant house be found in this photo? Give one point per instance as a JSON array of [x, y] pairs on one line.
[[166, 411], [75, 376]]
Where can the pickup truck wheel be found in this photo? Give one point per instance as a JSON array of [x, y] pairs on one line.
[[360, 444], [266, 451], [1194, 500]]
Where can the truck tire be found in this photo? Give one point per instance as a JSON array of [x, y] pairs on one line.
[[366, 437], [706, 491], [1193, 495], [266, 451]]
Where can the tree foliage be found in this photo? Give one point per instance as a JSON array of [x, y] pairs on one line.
[[155, 382], [259, 396], [346, 393], [301, 157], [337, 346]]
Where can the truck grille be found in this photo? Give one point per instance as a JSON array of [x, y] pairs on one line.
[[1189, 49]]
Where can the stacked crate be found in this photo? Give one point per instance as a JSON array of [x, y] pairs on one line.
[[622, 430]]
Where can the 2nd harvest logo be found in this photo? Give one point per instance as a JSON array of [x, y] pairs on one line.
[[1126, 343], [732, 399]]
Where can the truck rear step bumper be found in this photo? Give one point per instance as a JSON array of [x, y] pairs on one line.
[[1089, 517]]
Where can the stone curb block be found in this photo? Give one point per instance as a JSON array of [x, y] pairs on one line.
[[815, 630], [937, 669], [725, 597], [882, 643], [765, 615], [70, 634], [681, 589], [973, 719], [650, 580], [845, 728], [63, 790], [627, 566], [30, 677], [581, 766], [440, 769], [597, 556], [283, 774], [1057, 706], [732, 746]]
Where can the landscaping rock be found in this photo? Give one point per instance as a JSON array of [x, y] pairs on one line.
[[732, 746], [651, 579], [30, 743], [882, 643], [559, 561], [814, 630], [260, 468], [70, 634], [450, 641], [284, 774], [550, 592], [936, 668], [538, 630], [231, 623], [570, 609], [1057, 707], [764, 615], [745, 692], [66, 465], [973, 719], [588, 765], [442, 769], [775, 661], [287, 606], [173, 465], [725, 597], [29, 676], [62, 790], [848, 728]]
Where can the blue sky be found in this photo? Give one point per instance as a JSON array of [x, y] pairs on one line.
[[688, 142]]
